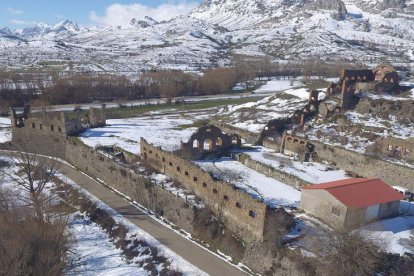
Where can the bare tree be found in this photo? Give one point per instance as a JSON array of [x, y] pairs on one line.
[[351, 253], [29, 246], [34, 172]]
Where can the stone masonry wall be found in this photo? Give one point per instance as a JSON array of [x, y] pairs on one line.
[[269, 171], [366, 166], [41, 136], [242, 214], [249, 137], [271, 144], [133, 185]]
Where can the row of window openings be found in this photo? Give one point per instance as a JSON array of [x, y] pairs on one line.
[[296, 140], [225, 197], [208, 144], [52, 127], [195, 179], [398, 149]]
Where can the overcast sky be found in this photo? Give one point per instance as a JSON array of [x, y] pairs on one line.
[[22, 13]]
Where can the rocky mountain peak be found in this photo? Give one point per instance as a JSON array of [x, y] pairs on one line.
[[147, 22]]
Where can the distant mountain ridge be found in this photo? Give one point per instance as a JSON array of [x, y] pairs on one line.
[[65, 27], [367, 31]]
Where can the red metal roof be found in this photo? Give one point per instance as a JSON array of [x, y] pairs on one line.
[[359, 192]]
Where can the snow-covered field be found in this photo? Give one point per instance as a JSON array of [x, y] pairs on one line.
[[5, 131], [94, 253], [311, 172], [273, 192], [161, 130], [276, 85]]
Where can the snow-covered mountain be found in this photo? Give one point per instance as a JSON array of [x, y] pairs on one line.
[[367, 31], [43, 30]]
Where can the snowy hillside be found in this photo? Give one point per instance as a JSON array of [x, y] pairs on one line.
[[367, 31]]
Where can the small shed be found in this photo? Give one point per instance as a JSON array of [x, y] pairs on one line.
[[351, 202]]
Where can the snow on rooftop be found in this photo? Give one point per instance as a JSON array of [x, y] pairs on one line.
[[274, 193]]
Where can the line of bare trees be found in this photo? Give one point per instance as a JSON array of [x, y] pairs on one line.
[[38, 89]]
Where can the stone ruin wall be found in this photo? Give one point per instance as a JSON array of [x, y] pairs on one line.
[[402, 149], [248, 136], [366, 166], [363, 165], [131, 184], [402, 110], [242, 214], [41, 134], [272, 172]]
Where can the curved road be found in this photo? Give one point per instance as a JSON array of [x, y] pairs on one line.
[[193, 253]]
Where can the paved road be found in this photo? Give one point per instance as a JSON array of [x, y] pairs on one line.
[[70, 107], [191, 252]]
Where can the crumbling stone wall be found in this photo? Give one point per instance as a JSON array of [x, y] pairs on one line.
[[131, 184], [209, 142], [242, 214], [41, 133], [402, 149], [402, 110], [297, 145], [248, 136], [366, 166], [97, 117], [46, 132], [362, 164], [272, 172]]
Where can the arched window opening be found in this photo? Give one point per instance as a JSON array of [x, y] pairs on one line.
[[219, 142], [196, 144], [207, 145]]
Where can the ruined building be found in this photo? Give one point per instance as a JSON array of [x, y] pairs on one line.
[[383, 78], [209, 142], [45, 132], [297, 146], [275, 128], [248, 218]]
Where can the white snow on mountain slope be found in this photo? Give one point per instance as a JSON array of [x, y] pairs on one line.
[[43, 30], [211, 34]]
